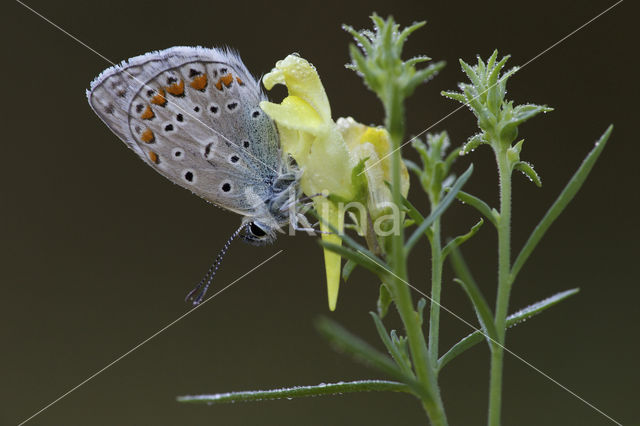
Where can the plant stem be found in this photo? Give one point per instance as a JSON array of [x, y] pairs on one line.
[[504, 288], [424, 368], [436, 287]]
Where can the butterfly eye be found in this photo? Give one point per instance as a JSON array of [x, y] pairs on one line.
[[255, 113], [180, 118], [213, 109], [232, 105], [234, 159], [246, 144], [256, 230], [226, 187]]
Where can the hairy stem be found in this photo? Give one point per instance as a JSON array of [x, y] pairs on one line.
[[504, 288], [424, 368], [436, 287]]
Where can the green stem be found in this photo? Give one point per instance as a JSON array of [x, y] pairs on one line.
[[424, 368], [504, 288], [436, 287]]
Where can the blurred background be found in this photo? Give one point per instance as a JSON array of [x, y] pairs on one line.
[[98, 251]]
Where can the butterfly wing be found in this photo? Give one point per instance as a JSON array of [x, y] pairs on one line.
[[192, 114]]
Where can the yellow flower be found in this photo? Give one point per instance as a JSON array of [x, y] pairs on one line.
[[373, 144], [327, 153]]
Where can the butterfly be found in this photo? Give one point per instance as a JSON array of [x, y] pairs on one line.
[[193, 115]]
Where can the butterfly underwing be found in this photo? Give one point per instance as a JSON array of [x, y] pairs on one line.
[[193, 115]]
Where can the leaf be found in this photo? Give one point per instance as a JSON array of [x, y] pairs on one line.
[[422, 76], [561, 203], [457, 241], [437, 212], [297, 392], [512, 320], [528, 170], [422, 303], [363, 260], [394, 351], [415, 215], [384, 301], [479, 205], [346, 239], [345, 341], [347, 269], [473, 142], [480, 305], [455, 96], [522, 113]]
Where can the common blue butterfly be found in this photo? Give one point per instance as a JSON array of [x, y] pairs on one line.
[[193, 115]]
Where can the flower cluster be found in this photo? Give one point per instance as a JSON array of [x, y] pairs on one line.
[[332, 155]]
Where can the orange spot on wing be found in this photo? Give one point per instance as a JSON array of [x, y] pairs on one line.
[[159, 99], [200, 82], [153, 157], [176, 89], [240, 82], [147, 114], [227, 79], [147, 136]]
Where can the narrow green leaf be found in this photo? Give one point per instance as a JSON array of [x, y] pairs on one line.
[[415, 215], [414, 168], [512, 320], [451, 157], [346, 239], [347, 269], [360, 38], [459, 240], [422, 303], [407, 31], [472, 143], [402, 343], [471, 73], [359, 258], [479, 205], [469, 285], [355, 346], [345, 341], [522, 113], [561, 202], [391, 347], [423, 75], [437, 212], [384, 301], [455, 96], [492, 59], [494, 71], [298, 392], [529, 171], [417, 60]]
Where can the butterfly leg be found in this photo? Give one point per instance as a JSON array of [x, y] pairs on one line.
[[306, 226]]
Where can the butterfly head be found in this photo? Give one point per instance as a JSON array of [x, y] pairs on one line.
[[258, 233]]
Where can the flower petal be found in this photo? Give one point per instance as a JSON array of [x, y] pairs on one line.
[[332, 261], [301, 80], [294, 113]]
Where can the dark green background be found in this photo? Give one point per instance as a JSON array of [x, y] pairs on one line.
[[98, 251]]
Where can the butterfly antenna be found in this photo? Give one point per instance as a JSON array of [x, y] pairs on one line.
[[197, 294]]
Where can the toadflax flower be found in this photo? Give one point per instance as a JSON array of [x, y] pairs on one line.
[[327, 153]]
